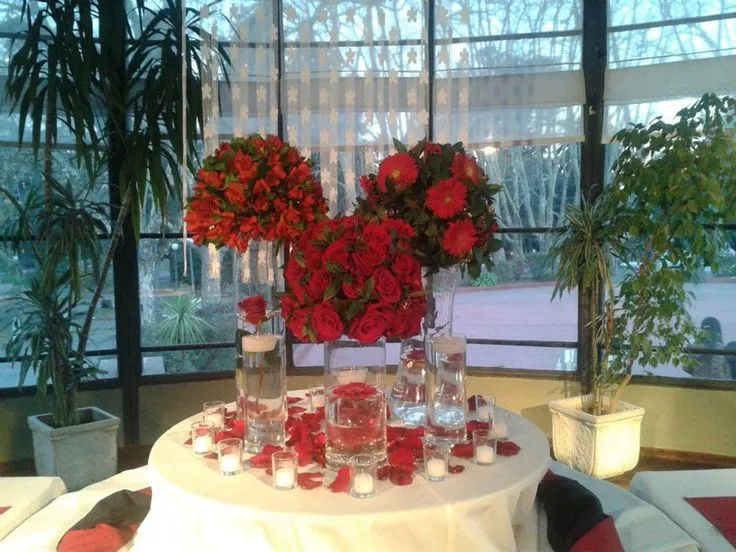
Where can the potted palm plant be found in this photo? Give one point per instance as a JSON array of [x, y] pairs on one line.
[[671, 184], [119, 96]]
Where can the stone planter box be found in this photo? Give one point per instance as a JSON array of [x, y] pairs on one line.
[[601, 446], [81, 454]]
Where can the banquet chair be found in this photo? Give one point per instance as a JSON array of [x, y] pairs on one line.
[[641, 527], [22, 497], [44, 529], [668, 490]]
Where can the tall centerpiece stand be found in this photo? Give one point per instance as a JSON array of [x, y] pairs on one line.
[[439, 190], [352, 284]]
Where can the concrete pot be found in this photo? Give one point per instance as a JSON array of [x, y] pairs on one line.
[[80, 454], [601, 446]]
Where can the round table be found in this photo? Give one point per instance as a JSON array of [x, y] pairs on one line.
[[482, 508]]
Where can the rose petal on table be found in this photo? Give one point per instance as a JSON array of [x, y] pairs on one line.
[[401, 457], [507, 448], [342, 481], [413, 444], [269, 472], [237, 429], [471, 403], [472, 425], [309, 480], [4, 509], [401, 478], [383, 473], [188, 442], [294, 410], [219, 436], [293, 400], [305, 450], [462, 450], [211, 456], [455, 469], [263, 459]]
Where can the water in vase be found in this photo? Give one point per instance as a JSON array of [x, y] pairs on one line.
[[446, 403], [407, 399]]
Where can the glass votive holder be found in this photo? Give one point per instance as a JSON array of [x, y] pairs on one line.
[[484, 447], [214, 411], [203, 438], [316, 396], [436, 457], [230, 456], [485, 407], [283, 465], [363, 479], [500, 425]]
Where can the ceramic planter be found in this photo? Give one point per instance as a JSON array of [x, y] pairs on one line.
[[601, 446], [80, 454]]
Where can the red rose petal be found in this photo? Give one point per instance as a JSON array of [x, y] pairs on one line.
[[269, 472], [342, 481], [263, 459], [401, 478], [309, 480], [219, 436], [401, 457], [471, 403], [4, 509], [507, 448], [292, 400], [237, 429], [211, 456], [455, 469], [462, 450], [188, 442], [472, 425], [320, 439], [383, 473], [294, 410]]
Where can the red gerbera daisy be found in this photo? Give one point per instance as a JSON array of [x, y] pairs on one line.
[[447, 198], [465, 168], [460, 237], [401, 169]]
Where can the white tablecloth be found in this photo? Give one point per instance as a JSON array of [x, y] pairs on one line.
[[43, 530], [667, 491], [483, 508], [25, 496]]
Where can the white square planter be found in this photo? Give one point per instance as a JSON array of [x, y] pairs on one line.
[[80, 454], [601, 446]]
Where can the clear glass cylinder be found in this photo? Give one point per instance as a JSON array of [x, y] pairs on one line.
[[355, 412], [446, 395], [408, 399], [263, 400]]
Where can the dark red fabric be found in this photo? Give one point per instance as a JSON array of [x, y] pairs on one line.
[[575, 519], [101, 538], [4, 509], [720, 511], [601, 538]]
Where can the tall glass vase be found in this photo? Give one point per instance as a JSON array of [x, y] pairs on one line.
[[446, 395], [407, 397], [262, 396], [355, 412]]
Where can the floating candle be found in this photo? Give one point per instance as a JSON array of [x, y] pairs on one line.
[[259, 343]]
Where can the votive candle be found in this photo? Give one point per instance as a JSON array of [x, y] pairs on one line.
[[284, 478], [436, 468], [484, 454], [363, 484], [203, 437], [202, 444], [283, 467]]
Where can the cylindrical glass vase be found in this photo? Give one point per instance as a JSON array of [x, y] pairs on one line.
[[355, 411], [407, 397], [446, 395], [264, 402]]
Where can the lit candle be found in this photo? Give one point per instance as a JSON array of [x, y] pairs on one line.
[[317, 400], [483, 413], [229, 463], [202, 444], [217, 419], [284, 478], [436, 468], [501, 429], [484, 454], [363, 484]]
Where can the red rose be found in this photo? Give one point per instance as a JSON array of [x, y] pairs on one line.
[[293, 276], [326, 322], [254, 309], [402, 228], [336, 254], [367, 259], [432, 149], [406, 267], [353, 288], [447, 198], [399, 169], [287, 305], [298, 323], [377, 235], [465, 168], [317, 284], [387, 286], [459, 238], [369, 327]]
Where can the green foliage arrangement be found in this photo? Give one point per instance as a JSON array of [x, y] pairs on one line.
[[671, 183]]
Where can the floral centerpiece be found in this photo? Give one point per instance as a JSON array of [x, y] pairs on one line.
[[441, 192], [254, 188], [351, 284]]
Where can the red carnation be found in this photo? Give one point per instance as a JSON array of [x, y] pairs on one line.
[[465, 168], [400, 169], [326, 322], [459, 238], [447, 198], [254, 309]]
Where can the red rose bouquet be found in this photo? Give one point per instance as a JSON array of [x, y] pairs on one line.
[[355, 277], [439, 190], [254, 188]]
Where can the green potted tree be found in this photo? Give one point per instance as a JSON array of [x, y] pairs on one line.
[[119, 95], [671, 184]]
